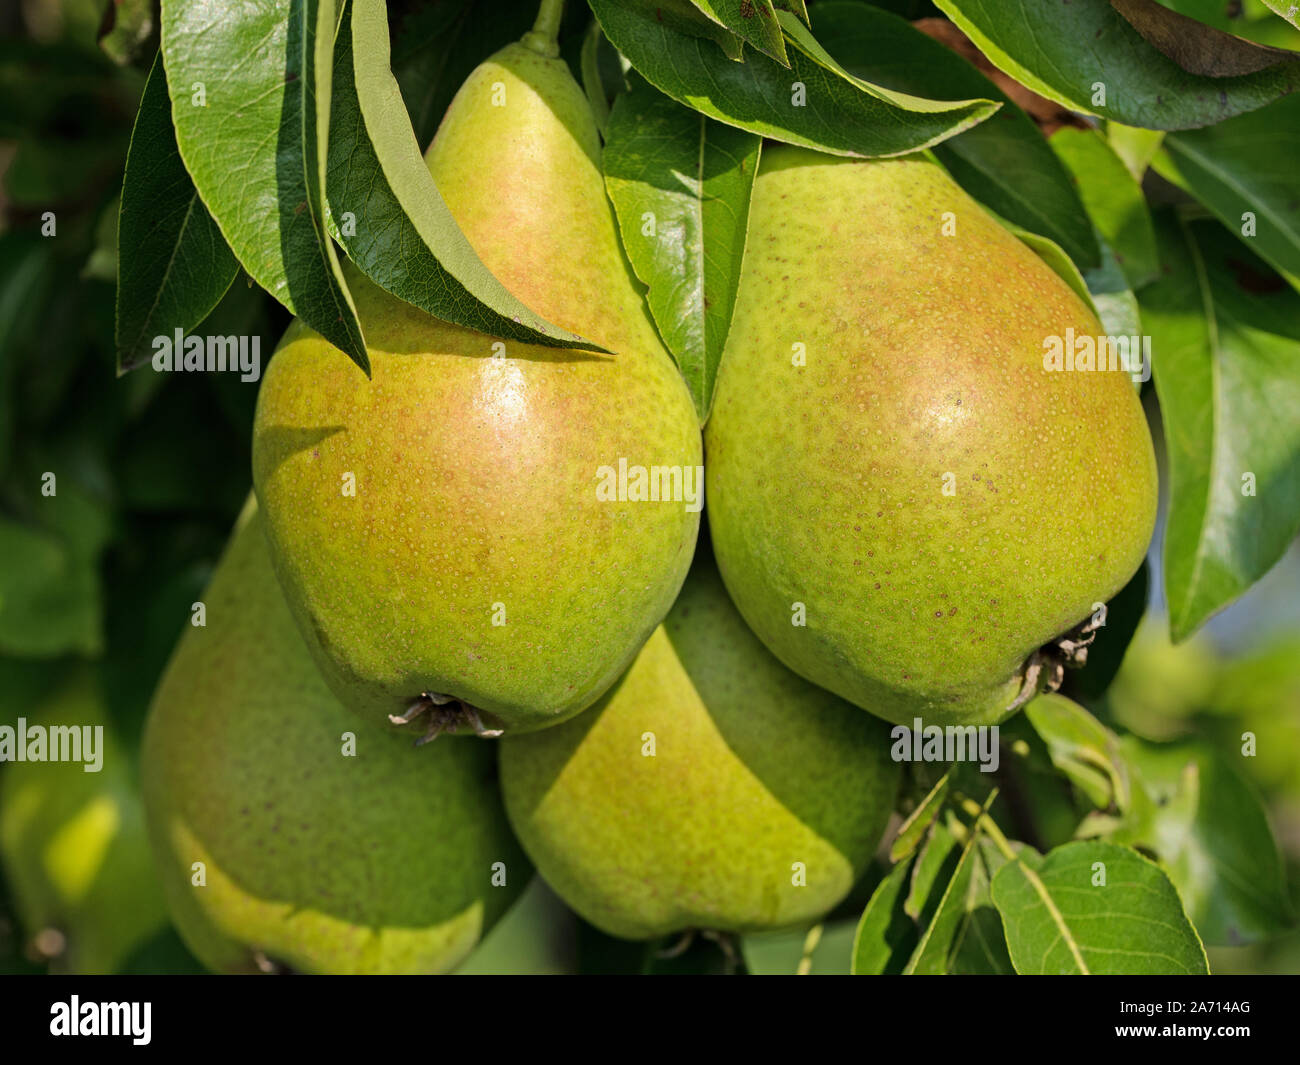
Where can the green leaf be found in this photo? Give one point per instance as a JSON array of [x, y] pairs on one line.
[[980, 947], [536, 937], [934, 867], [822, 950], [1082, 748], [174, 265], [1003, 162], [886, 935], [386, 210], [1113, 198], [1134, 146], [250, 89], [750, 20], [128, 31], [918, 822], [796, 7], [1249, 165], [1226, 338], [681, 185], [1039, 45], [838, 113], [1207, 825], [1288, 9], [1061, 917], [683, 17], [931, 957]]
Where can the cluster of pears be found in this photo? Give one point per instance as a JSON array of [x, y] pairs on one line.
[[684, 742]]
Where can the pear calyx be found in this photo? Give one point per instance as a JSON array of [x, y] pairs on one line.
[[1045, 669], [444, 713]]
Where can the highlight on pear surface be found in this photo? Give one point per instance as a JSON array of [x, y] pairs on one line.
[[606, 487]]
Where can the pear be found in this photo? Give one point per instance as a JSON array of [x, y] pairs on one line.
[[906, 504], [73, 842], [287, 841], [452, 536], [710, 789]]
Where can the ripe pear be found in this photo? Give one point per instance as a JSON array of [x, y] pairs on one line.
[[443, 532], [711, 788], [73, 842], [285, 839], [891, 466]]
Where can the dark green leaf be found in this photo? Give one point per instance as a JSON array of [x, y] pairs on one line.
[[813, 104], [1226, 341], [948, 914], [886, 935], [1249, 166], [1039, 45], [753, 21], [683, 17], [174, 265], [386, 210], [980, 946], [918, 822], [934, 867], [1003, 162], [681, 184], [250, 88]]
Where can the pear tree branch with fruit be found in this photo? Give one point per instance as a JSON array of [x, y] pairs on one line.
[[985, 349]]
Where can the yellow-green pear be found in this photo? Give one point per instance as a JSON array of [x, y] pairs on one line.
[[468, 537], [288, 839], [711, 788], [912, 488], [72, 834]]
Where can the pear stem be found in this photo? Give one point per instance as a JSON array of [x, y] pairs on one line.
[[544, 37]]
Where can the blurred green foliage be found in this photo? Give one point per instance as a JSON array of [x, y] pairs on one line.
[[147, 472]]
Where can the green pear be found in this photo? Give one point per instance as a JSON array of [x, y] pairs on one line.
[[906, 504], [73, 842], [450, 535], [711, 788], [285, 839]]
